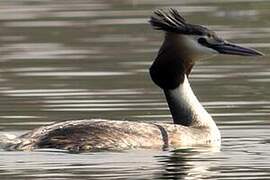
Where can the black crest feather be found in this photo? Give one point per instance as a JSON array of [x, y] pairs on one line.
[[172, 21]]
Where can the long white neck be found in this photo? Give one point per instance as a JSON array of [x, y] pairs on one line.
[[185, 107]]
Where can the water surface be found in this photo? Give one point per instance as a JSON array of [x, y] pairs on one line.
[[64, 59]]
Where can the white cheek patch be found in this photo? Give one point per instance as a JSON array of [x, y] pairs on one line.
[[195, 48]]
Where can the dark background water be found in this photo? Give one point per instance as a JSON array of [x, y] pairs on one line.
[[62, 60]]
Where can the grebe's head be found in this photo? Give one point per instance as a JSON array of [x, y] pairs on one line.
[[194, 41], [184, 44]]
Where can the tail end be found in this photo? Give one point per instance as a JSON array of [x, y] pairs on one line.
[[9, 141]]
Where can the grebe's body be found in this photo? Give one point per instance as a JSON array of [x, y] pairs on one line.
[[108, 135], [100, 135], [184, 44]]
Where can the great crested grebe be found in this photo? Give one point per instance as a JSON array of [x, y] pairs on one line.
[[183, 45]]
